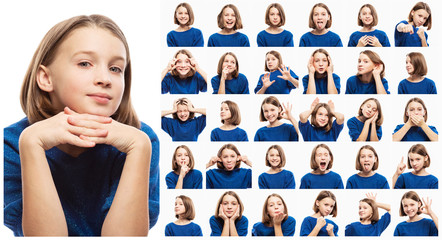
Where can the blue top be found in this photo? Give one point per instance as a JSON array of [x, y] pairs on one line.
[[329, 39], [216, 224], [310, 222], [86, 184], [191, 229], [283, 132], [411, 181], [189, 38], [406, 39], [238, 85], [191, 85], [426, 86], [232, 40], [235, 179], [355, 127], [237, 134], [312, 133], [322, 84], [415, 133], [380, 35], [281, 180], [355, 86], [330, 180], [280, 86], [283, 39], [377, 181], [376, 229], [287, 227], [192, 180], [423, 227], [184, 131]]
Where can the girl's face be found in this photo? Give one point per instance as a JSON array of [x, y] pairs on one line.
[[325, 206], [320, 62], [417, 161], [369, 108], [322, 158], [409, 66], [87, 74], [271, 112], [229, 63], [410, 207], [182, 15], [365, 65], [274, 158], [182, 112], [182, 157], [419, 17], [229, 18], [415, 108], [229, 159], [225, 112], [229, 205], [366, 16], [320, 17], [179, 207], [274, 16], [367, 159], [322, 116], [274, 206], [272, 62], [365, 211], [182, 64]]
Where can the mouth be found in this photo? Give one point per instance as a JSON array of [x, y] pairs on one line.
[[320, 24], [367, 166], [322, 165], [101, 98]]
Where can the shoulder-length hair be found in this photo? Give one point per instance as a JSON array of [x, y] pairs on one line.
[[189, 11], [277, 55], [313, 164], [326, 194], [374, 14], [424, 6], [238, 22], [311, 23], [417, 59], [36, 103], [232, 147], [269, 100], [235, 114], [183, 101], [380, 119], [374, 209], [233, 194], [266, 219], [418, 100], [186, 52], [413, 196], [358, 157], [376, 59], [235, 73], [188, 206], [281, 14], [281, 156], [421, 150], [175, 166], [329, 114]]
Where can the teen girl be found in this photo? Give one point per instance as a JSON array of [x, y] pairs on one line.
[[416, 83], [185, 213], [323, 127], [415, 127], [183, 126], [367, 125], [229, 80], [275, 219], [183, 176], [85, 165], [369, 223], [278, 78], [412, 206], [276, 177], [183, 75], [411, 33], [320, 20], [229, 21], [321, 161], [228, 173], [228, 219], [272, 111], [367, 162], [184, 35], [316, 225], [370, 77], [274, 35], [419, 160], [320, 78], [368, 36], [230, 118]]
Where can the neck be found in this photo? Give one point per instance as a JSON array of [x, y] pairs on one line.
[[366, 78], [319, 172], [274, 170], [182, 221], [227, 31], [274, 29], [366, 174], [227, 126], [421, 172], [367, 29], [415, 78], [317, 215], [183, 28], [415, 218], [319, 31], [366, 221], [275, 123]]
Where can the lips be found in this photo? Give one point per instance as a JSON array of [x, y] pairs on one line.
[[101, 98]]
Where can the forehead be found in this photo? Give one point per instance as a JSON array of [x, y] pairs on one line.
[[273, 10], [178, 200], [422, 12], [408, 201], [274, 199], [372, 103], [229, 198], [228, 10], [319, 10], [364, 57], [414, 105], [181, 107], [273, 151], [224, 105], [327, 200], [270, 56], [322, 110], [229, 58], [268, 106], [414, 155], [366, 151], [365, 10], [227, 151], [364, 204], [182, 9], [321, 150], [182, 56], [181, 150], [320, 55]]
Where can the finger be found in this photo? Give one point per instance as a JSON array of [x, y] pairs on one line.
[[69, 111], [402, 160], [89, 121], [87, 131], [79, 141]]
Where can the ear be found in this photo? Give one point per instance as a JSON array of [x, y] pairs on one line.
[[317, 203], [44, 80]]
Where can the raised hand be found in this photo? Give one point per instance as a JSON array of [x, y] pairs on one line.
[[314, 103], [278, 218], [426, 207], [287, 111], [285, 72], [401, 167], [371, 196], [310, 66], [245, 159], [266, 80], [329, 229], [378, 69], [221, 213], [330, 67], [213, 161]]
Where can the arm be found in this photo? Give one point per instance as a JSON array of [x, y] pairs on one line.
[[195, 66], [427, 210], [378, 80], [421, 34], [331, 87], [405, 28], [277, 221], [183, 171], [384, 206], [373, 134], [311, 87], [201, 111], [399, 170], [430, 134], [170, 66], [320, 222], [232, 226], [303, 117], [287, 114], [222, 84], [339, 116], [266, 83], [397, 136], [287, 76], [167, 112]]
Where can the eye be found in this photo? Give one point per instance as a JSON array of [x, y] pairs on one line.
[[115, 69], [84, 64]]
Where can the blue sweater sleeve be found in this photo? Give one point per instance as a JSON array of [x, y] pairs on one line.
[[400, 183], [288, 227]]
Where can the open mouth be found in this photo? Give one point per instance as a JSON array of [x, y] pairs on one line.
[[320, 24], [323, 165]]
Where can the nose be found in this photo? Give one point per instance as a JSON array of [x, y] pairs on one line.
[[102, 77]]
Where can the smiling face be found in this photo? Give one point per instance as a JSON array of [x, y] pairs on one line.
[[367, 160], [320, 62], [419, 17], [274, 17], [182, 16], [229, 63], [366, 16], [410, 207], [229, 159], [369, 108], [272, 62], [275, 206], [325, 206], [365, 211], [274, 158], [322, 116], [417, 161], [271, 112], [182, 112], [365, 65], [322, 158], [182, 157], [229, 18], [229, 205], [179, 207], [225, 113], [320, 18], [182, 64]]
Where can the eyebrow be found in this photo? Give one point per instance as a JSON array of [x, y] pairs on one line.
[[92, 53]]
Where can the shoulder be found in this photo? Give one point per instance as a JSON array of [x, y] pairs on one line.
[[149, 131], [353, 78], [14, 130], [332, 34], [263, 33]]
